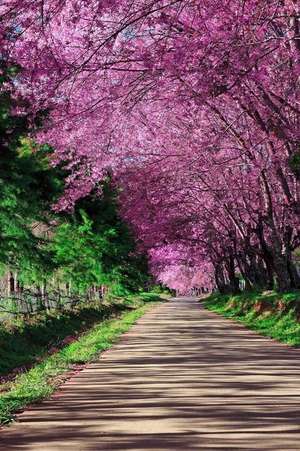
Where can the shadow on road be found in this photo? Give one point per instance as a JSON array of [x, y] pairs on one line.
[[181, 379]]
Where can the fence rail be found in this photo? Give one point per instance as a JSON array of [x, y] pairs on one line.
[[31, 302]]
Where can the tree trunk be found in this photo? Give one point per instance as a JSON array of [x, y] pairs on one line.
[[282, 276], [220, 278], [233, 280]]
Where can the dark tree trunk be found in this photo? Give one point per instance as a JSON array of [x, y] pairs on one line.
[[233, 280], [282, 276], [266, 256], [220, 278], [294, 276]]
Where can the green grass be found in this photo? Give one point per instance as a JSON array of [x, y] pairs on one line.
[[22, 343], [25, 342], [271, 314], [41, 381]]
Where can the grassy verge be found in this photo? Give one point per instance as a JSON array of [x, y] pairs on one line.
[[271, 314], [24, 342], [42, 380]]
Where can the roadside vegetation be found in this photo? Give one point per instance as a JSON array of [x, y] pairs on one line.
[[103, 326], [24, 342], [50, 251], [272, 314], [72, 275]]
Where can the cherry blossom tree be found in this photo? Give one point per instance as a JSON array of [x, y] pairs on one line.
[[192, 105]]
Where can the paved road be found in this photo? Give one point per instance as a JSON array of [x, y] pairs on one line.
[[181, 379]]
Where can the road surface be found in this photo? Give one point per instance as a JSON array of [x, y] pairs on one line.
[[183, 379]]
